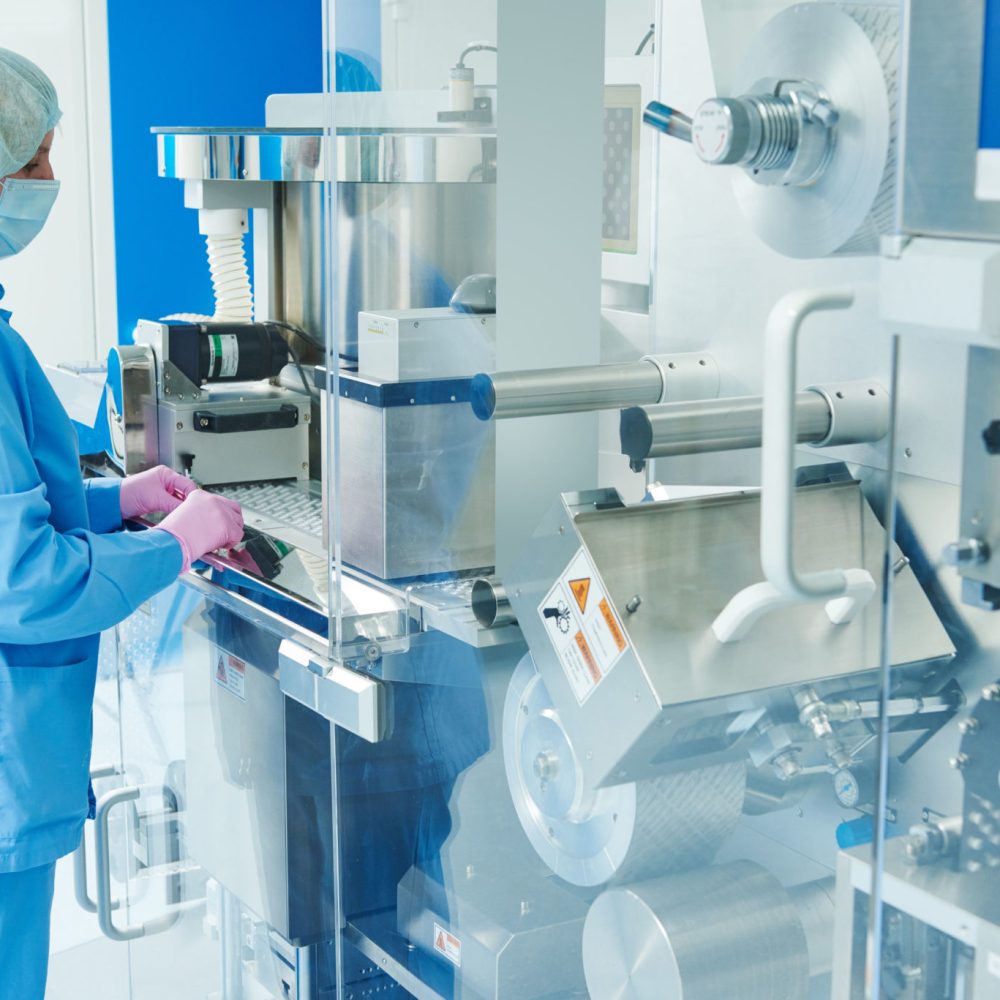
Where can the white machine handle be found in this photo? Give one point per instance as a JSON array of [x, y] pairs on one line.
[[845, 591]]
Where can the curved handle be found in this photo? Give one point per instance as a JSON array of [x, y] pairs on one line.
[[80, 854], [80, 877], [845, 591], [102, 849], [777, 502], [753, 602]]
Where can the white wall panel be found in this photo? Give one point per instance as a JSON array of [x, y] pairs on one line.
[[62, 287]]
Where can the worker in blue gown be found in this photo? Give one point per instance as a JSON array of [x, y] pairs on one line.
[[68, 570]]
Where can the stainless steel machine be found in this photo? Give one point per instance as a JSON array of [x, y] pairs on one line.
[[719, 721], [205, 399]]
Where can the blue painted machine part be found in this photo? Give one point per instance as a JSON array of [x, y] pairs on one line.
[[856, 832], [989, 137]]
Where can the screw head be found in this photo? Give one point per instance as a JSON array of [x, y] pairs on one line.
[[966, 552], [969, 725], [959, 761]]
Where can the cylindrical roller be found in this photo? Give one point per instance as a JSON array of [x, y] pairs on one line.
[[711, 425], [815, 907], [625, 832], [713, 934], [490, 604], [564, 390]]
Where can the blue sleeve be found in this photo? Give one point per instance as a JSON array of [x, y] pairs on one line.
[[104, 504], [64, 585]]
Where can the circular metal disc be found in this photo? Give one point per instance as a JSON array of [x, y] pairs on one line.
[[627, 953], [629, 831], [582, 838], [825, 45]]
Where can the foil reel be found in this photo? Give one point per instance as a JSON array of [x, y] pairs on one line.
[[714, 934], [631, 831], [850, 52]]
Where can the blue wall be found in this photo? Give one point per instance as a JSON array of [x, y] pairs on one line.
[[990, 133], [189, 63]]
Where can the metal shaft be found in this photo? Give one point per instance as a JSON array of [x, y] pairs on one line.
[[565, 390], [711, 425], [668, 120], [490, 604]]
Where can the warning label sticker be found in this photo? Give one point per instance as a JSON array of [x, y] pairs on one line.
[[231, 674], [448, 945], [582, 626]]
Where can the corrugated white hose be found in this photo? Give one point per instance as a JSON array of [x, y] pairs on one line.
[[230, 279], [224, 231]]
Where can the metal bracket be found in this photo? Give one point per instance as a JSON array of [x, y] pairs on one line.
[[347, 698]]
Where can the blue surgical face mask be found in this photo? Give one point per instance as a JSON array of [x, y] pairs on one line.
[[24, 207]]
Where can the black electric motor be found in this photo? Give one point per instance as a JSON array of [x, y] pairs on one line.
[[226, 352]]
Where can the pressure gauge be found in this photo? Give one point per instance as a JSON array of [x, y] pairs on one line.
[[846, 788]]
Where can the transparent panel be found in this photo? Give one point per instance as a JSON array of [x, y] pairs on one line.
[[631, 740], [555, 661], [159, 892], [75, 942], [937, 907], [222, 848]]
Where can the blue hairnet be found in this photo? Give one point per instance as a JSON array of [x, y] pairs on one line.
[[29, 108]]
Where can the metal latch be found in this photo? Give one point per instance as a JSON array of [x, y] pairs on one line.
[[347, 698]]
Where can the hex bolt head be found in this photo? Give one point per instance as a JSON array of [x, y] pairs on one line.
[[991, 692], [959, 761], [968, 726], [966, 552]]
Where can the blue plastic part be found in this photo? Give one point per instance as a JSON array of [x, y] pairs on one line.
[[482, 396], [990, 112], [860, 831], [855, 832]]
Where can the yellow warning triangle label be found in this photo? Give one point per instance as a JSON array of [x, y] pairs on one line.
[[581, 589]]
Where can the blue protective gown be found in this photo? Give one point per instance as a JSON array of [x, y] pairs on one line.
[[67, 572]]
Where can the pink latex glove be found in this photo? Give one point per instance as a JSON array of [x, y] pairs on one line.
[[203, 523], [154, 491]]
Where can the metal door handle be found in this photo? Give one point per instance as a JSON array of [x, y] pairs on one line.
[[102, 846], [845, 591], [80, 854]]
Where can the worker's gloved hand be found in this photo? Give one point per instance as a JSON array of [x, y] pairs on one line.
[[203, 523], [154, 491]]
